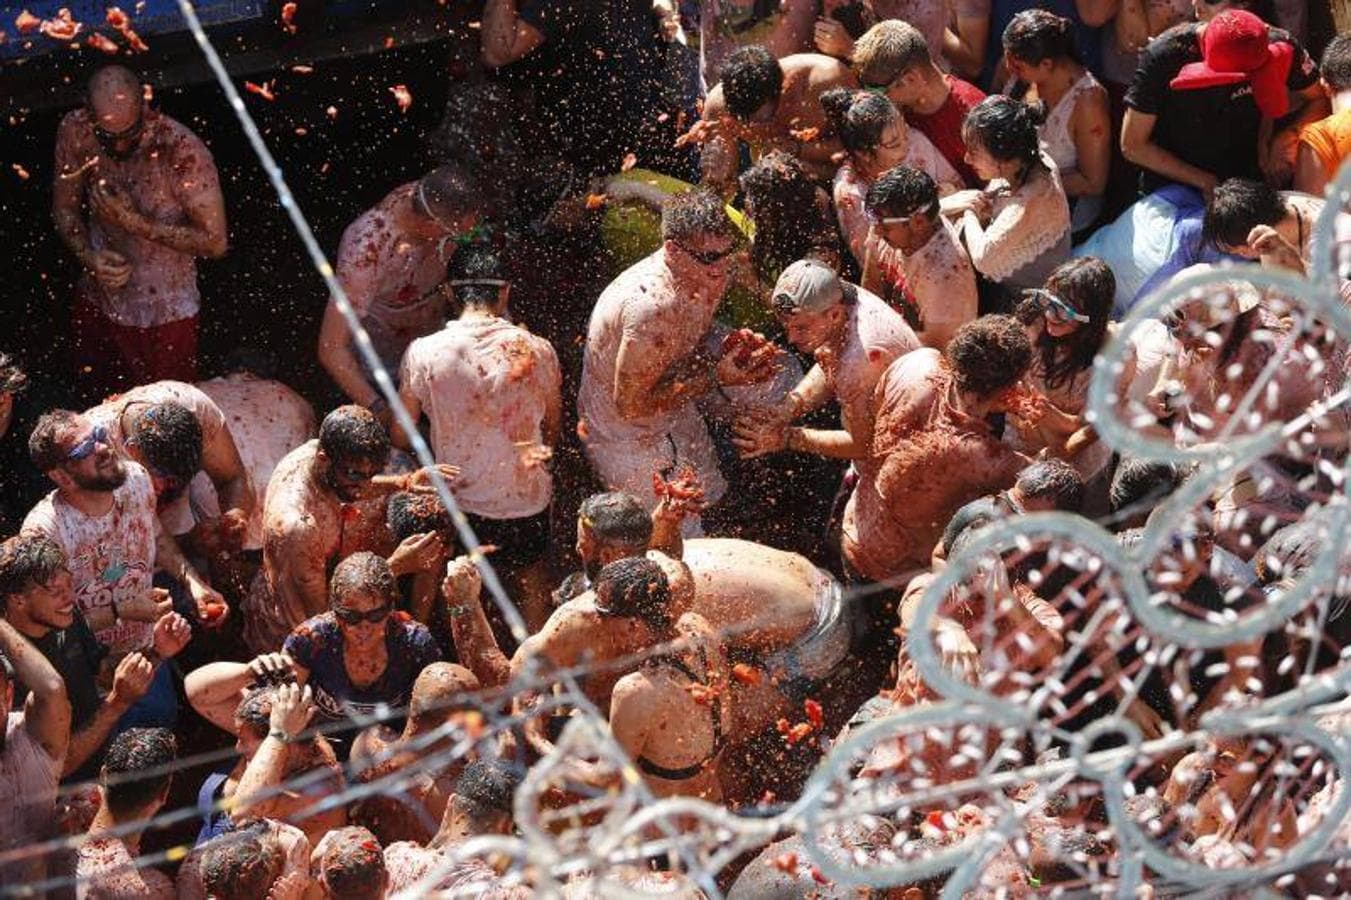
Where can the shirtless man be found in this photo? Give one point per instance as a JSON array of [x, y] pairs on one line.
[[176, 432], [411, 807], [155, 205], [646, 362], [770, 104], [311, 521], [391, 264], [854, 337], [933, 449]]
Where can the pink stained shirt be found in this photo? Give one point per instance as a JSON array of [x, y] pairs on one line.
[[107, 871], [112, 557], [874, 336], [486, 386], [171, 170], [928, 458], [28, 780]]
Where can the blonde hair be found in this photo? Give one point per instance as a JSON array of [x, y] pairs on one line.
[[888, 50]]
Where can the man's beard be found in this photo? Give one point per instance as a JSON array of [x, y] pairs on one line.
[[102, 481]]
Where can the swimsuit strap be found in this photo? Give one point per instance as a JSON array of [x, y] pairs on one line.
[[659, 771]]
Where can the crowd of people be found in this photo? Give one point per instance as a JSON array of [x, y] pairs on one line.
[[866, 263]]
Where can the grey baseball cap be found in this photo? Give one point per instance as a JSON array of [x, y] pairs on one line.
[[807, 285]]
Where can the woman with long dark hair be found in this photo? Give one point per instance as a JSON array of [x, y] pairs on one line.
[[1017, 230], [1039, 52]]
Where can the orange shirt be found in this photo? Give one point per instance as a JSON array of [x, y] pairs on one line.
[[1330, 140]]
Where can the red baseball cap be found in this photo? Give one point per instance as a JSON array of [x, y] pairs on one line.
[[1236, 47]]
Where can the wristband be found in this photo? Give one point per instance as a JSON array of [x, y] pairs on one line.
[[279, 735]]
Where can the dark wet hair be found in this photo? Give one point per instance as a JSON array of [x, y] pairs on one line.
[[1007, 129], [354, 865], [26, 561], [449, 191], [476, 262], [902, 190], [1053, 479], [44, 444], [170, 438], [485, 789], [1034, 35], [1236, 207], [788, 223], [1141, 484], [351, 433], [1087, 284], [635, 587], [363, 572], [750, 78], [989, 355], [408, 514], [1336, 63], [858, 117], [242, 864], [127, 787], [1290, 551], [13, 379], [255, 710], [693, 213], [617, 519]]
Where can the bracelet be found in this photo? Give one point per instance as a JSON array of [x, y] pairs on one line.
[[279, 735]]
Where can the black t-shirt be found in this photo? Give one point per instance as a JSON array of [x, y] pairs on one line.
[[1214, 128], [76, 655]]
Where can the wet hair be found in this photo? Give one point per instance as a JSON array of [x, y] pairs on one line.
[[989, 355], [902, 190], [474, 263], [127, 788], [1236, 207], [408, 514], [353, 866], [859, 117], [109, 79], [1290, 551], [26, 561], [1087, 284], [366, 573], [1007, 129], [635, 587], [13, 379], [450, 191], [242, 864], [484, 791], [439, 691], [976, 514], [888, 50], [617, 519], [788, 222], [44, 444], [694, 213], [170, 438], [1034, 35], [750, 78], [1055, 480], [1336, 63], [1140, 484], [255, 710], [351, 433]]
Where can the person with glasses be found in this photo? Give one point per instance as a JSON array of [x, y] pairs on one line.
[[492, 392], [392, 267], [876, 139], [893, 59], [154, 205], [647, 361], [913, 258], [769, 104], [103, 516], [327, 500]]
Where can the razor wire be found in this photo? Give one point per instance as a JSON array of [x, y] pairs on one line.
[[1003, 732]]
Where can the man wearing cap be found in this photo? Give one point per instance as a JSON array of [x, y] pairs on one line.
[[914, 258], [1205, 99], [391, 264], [854, 337]]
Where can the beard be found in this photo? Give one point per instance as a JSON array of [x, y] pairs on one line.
[[103, 479]]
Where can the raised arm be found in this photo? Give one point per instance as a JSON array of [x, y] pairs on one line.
[[475, 644], [47, 711], [260, 793]]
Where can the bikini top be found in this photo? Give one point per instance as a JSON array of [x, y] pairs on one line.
[[658, 771]]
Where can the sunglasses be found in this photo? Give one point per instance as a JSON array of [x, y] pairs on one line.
[[131, 133], [1056, 309], [352, 617], [350, 475], [876, 218], [86, 447], [709, 257]]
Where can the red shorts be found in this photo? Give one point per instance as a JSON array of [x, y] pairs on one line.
[[111, 358]]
